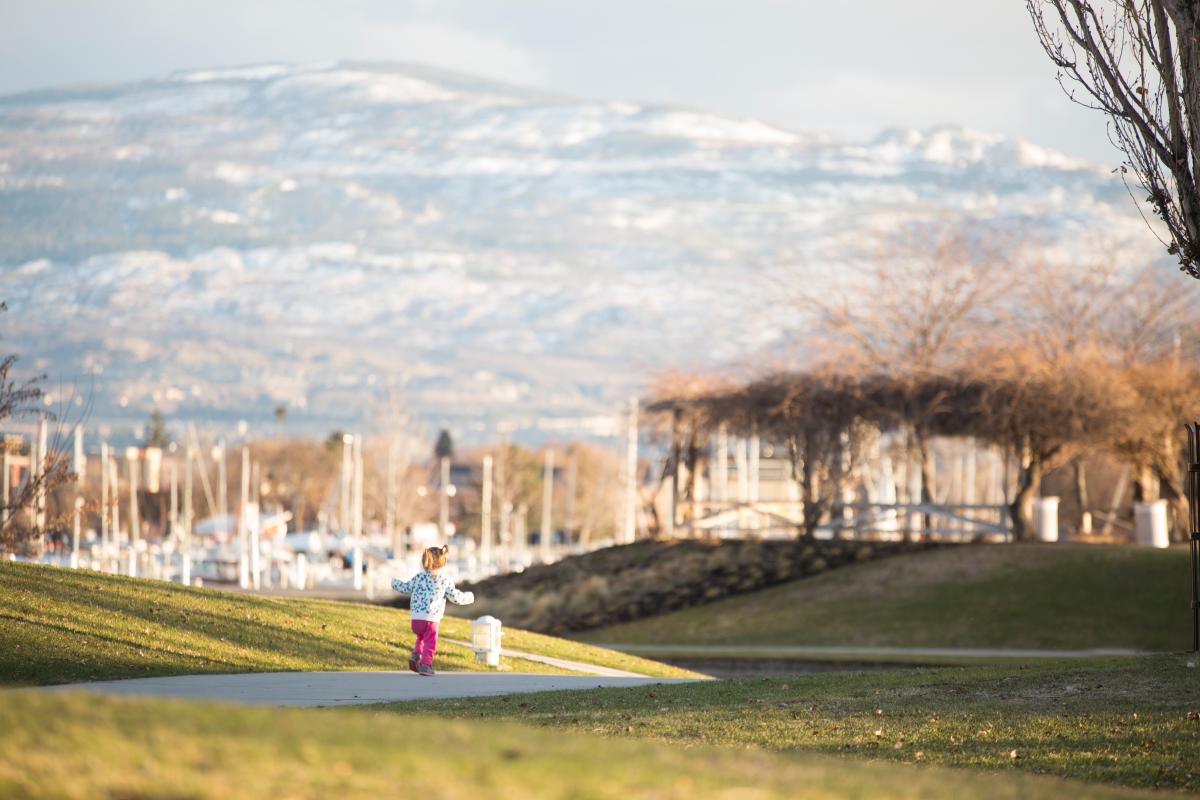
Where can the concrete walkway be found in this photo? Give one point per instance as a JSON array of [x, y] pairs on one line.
[[345, 688], [864, 653], [561, 663]]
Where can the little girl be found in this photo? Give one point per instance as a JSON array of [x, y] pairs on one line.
[[429, 591]]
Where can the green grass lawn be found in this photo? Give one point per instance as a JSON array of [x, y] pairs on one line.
[[1022, 596], [81, 746], [60, 626], [1117, 721]]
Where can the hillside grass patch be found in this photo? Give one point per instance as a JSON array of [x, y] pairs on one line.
[[61, 626], [82, 746], [1132, 722], [1060, 596]]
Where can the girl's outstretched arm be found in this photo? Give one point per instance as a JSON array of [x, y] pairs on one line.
[[457, 597], [402, 586]]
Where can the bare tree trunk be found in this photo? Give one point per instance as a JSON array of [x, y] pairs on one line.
[[1115, 504], [1170, 488], [921, 442], [1084, 525], [1145, 485], [1020, 509], [811, 492], [802, 477]]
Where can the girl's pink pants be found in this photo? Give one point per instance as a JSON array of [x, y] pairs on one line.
[[426, 645]]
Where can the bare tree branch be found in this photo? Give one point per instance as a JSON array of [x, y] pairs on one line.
[[1136, 61]]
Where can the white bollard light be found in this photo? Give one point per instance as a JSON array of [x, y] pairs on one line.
[[185, 568], [301, 571], [1150, 524], [1045, 518], [485, 640]]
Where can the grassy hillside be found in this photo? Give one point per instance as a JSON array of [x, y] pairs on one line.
[[59, 626], [650, 577], [78, 746], [1131, 721], [1022, 596]]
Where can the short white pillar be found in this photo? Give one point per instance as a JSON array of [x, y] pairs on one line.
[[301, 571], [1045, 518], [485, 640], [1150, 524]]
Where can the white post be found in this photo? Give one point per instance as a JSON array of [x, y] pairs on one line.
[[631, 474], [1045, 516], [269, 572], [569, 498], [722, 477], [389, 520], [547, 506], [741, 464], [915, 518], [114, 485], [37, 471], [521, 534], [444, 500], [75, 532], [344, 492], [222, 485], [188, 519], [131, 460], [485, 521], [669, 527], [243, 534], [301, 571], [253, 526], [357, 514], [969, 478], [79, 462], [79, 465], [105, 544], [1150, 519], [174, 519], [506, 533], [887, 494], [956, 464], [6, 498], [677, 488], [755, 463]]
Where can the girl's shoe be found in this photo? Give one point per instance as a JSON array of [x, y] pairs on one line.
[[413, 661], [426, 670]]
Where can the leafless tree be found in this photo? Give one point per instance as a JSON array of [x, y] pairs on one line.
[[1165, 393], [928, 300], [1044, 413], [1137, 62], [394, 447], [22, 399]]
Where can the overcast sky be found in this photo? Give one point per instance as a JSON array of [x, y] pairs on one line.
[[848, 69]]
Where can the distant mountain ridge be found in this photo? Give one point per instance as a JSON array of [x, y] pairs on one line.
[[220, 242]]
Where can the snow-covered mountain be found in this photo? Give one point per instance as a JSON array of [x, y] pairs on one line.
[[222, 242]]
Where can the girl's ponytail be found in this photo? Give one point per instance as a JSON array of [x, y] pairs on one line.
[[434, 557]]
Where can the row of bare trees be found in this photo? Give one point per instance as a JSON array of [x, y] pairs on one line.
[[1042, 414], [956, 331]]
